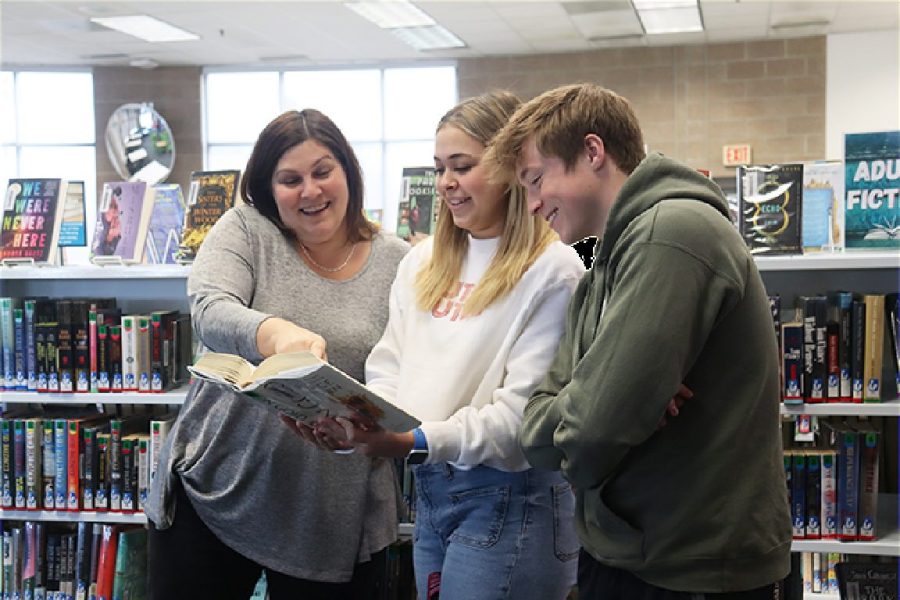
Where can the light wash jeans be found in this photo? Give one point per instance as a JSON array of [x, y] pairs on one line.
[[494, 535]]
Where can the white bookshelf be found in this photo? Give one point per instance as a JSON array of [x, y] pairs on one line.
[[175, 396], [62, 516], [887, 544], [848, 260], [890, 408], [89, 272]]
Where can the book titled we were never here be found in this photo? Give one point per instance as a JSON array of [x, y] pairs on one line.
[[303, 387]]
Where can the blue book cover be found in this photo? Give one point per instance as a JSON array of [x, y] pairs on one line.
[[165, 224], [872, 197], [73, 229]]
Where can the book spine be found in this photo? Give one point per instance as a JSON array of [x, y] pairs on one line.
[[21, 380], [129, 354], [873, 355], [102, 359], [19, 463], [61, 456], [33, 455], [857, 348], [114, 458], [868, 486], [30, 348], [65, 346], [143, 471], [798, 495], [73, 454], [844, 302], [7, 344], [89, 473], [81, 346], [93, 348], [829, 495], [48, 463], [792, 352], [116, 379], [101, 491], [833, 367], [143, 354], [127, 478], [8, 474], [813, 495], [848, 484]]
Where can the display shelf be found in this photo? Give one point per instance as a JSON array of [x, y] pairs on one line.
[[73, 516], [82, 272], [175, 396], [830, 261], [887, 544], [890, 408]]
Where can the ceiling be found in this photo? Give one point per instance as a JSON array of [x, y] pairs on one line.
[[307, 33]]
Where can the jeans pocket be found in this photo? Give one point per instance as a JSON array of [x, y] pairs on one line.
[[479, 515], [565, 541]]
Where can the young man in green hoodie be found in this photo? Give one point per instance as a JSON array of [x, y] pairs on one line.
[[697, 509]]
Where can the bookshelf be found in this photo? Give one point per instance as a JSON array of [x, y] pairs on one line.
[[61, 516], [175, 396], [857, 271]]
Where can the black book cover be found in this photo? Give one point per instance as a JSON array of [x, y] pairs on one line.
[[770, 198]]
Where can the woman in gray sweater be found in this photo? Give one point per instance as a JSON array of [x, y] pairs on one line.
[[238, 492]]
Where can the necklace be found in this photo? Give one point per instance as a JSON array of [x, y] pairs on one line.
[[328, 269]]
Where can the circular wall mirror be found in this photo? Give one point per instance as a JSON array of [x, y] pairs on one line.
[[139, 143]]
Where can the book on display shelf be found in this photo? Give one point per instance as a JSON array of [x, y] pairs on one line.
[[33, 212], [211, 195]]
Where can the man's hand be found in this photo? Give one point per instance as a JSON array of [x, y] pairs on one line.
[[681, 396]]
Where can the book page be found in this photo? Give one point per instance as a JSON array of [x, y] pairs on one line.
[[295, 363], [226, 368]]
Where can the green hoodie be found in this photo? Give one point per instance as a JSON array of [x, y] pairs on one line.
[[673, 296]]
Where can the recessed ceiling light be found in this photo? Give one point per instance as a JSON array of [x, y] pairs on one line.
[[684, 19], [391, 14], [434, 37], [146, 28], [143, 63]]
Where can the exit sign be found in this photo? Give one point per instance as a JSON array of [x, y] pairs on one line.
[[737, 154]]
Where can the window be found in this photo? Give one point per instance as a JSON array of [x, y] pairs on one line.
[[47, 130], [388, 115]]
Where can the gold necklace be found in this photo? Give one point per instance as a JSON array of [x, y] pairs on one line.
[[328, 269]]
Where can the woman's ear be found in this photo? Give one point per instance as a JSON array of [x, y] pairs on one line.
[[595, 150]]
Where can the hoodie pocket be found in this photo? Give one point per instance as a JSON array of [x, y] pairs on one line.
[[609, 536]]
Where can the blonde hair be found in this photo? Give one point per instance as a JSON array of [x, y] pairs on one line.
[[524, 237], [559, 119]]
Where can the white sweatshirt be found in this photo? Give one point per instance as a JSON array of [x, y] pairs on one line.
[[468, 379]]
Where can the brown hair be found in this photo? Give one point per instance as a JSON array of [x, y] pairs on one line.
[[559, 119], [282, 134]]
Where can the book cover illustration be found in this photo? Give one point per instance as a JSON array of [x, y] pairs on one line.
[[417, 212], [303, 387], [74, 226], [211, 194], [867, 580], [822, 224], [166, 221], [123, 215], [32, 216], [872, 197], [769, 207]]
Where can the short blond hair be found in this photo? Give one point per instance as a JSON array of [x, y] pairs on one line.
[[559, 119]]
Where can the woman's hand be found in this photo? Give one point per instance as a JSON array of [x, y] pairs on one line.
[[277, 336], [681, 396], [322, 435], [373, 440]]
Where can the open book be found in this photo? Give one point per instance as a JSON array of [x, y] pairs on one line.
[[303, 387]]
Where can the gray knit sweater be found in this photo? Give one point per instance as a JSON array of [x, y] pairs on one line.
[[259, 487]]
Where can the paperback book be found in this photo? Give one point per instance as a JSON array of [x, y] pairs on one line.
[[417, 213], [123, 217], [32, 217], [211, 195], [303, 387], [770, 198], [166, 221]]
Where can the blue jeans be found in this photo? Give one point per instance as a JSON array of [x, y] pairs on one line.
[[494, 535]]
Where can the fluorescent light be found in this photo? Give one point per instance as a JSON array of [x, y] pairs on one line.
[[659, 4], [146, 28], [671, 20], [435, 37], [391, 14]]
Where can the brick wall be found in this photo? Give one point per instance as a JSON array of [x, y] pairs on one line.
[[175, 94], [691, 100]]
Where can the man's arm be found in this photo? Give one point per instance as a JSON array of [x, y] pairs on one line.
[[662, 306]]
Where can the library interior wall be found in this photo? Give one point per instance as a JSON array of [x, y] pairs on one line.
[[691, 100], [863, 86]]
